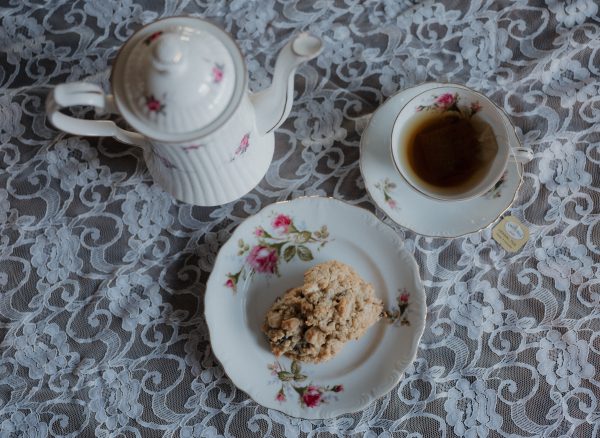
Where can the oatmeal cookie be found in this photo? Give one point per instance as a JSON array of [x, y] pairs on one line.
[[312, 322]]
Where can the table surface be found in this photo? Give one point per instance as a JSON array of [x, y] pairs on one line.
[[103, 274]]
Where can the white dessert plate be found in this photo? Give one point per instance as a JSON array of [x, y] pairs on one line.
[[267, 255], [413, 210]]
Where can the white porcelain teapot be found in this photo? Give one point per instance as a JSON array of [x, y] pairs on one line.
[[181, 83]]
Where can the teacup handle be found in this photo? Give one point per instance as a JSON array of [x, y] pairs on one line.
[[83, 93], [521, 155]]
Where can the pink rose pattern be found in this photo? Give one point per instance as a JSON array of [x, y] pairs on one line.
[[282, 222], [446, 100], [449, 102], [475, 107], [386, 186], [152, 37], [263, 259], [242, 147], [309, 396], [403, 298], [217, 73], [154, 105], [285, 241], [280, 397], [398, 314]]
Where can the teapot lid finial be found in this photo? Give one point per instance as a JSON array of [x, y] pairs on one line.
[[168, 52], [178, 79]]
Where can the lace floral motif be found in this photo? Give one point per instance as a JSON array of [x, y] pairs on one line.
[[565, 260], [55, 254], [28, 425], [319, 125], [73, 162], [471, 409], [563, 360], [125, 11], [44, 351], [113, 399], [483, 45], [565, 78], [562, 168], [146, 211], [10, 119], [135, 300], [476, 306], [4, 206], [572, 12]]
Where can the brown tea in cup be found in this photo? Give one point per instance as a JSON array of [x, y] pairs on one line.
[[448, 151], [451, 143]]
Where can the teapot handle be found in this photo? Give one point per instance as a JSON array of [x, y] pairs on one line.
[[84, 93]]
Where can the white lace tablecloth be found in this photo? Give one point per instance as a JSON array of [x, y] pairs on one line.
[[103, 274]]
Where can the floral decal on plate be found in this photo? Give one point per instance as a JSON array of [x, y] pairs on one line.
[[154, 105], [152, 37], [242, 147], [386, 186], [309, 396], [217, 73], [496, 191], [449, 102], [284, 241], [398, 313]]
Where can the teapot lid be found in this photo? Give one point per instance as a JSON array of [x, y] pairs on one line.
[[178, 79]]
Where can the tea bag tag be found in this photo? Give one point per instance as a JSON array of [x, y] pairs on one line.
[[510, 233]]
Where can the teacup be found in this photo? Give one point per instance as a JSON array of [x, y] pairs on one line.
[[460, 103]]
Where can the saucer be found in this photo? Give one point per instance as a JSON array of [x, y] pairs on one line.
[[268, 254], [412, 210]]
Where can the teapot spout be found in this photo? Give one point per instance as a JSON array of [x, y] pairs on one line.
[[273, 105]]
